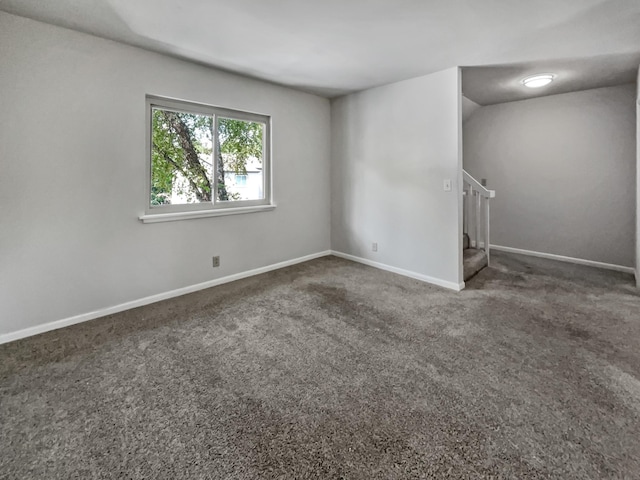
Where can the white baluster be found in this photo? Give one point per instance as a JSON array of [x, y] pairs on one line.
[[465, 217], [478, 218], [486, 228]]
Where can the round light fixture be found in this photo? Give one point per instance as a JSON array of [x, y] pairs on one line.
[[539, 80]]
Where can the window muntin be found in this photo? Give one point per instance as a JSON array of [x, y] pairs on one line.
[[193, 169]]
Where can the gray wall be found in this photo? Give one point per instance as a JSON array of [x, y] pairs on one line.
[[468, 107], [392, 147], [564, 172], [73, 173], [638, 181]]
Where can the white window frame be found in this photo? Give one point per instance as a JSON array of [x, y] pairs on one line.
[[161, 213]]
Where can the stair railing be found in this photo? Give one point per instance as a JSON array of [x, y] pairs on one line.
[[476, 198]]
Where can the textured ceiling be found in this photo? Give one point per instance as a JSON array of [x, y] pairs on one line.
[[487, 85], [333, 47]]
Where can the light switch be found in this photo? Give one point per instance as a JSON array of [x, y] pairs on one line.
[[447, 184]]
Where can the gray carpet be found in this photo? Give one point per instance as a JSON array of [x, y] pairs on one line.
[[331, 369]]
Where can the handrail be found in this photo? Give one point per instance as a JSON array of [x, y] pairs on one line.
[[476, 199], [481, 189]]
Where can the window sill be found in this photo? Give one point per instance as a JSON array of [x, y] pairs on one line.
[[171, 217]]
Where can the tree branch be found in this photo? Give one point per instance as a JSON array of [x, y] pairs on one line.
[[185, 174], [191, 155]]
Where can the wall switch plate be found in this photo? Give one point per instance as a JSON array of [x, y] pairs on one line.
[[374, 247], [447, 184], [216, 261]]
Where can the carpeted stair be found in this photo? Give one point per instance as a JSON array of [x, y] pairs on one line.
[[474, 259]]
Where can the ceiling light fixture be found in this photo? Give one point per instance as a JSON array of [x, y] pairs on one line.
[[539, 80]]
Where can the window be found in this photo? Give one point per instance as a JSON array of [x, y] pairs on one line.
[[205, 158], [241, 180]]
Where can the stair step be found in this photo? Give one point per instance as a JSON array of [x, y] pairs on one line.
[[474, 260]]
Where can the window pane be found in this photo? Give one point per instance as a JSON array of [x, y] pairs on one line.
[[241, 180], [240, 169], [181, 157]]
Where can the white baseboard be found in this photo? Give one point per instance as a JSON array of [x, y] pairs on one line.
[[46, 327], [561, 258], [407, 273]]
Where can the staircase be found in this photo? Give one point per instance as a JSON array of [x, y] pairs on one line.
[[475, 240], [474, 259]]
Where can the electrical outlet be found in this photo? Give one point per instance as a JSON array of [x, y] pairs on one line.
[[374, 247], [216, 261]]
